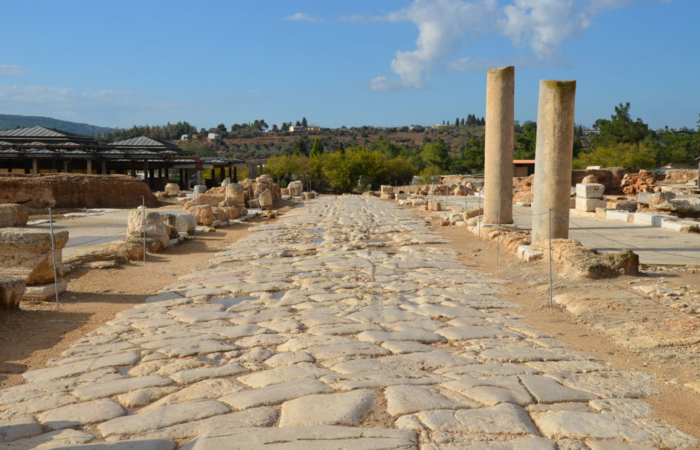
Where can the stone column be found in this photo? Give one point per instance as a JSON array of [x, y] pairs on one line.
[[498, 168], [104, 167], [553, 156], [89, 166], [35, 166]]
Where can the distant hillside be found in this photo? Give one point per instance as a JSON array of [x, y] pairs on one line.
[[9, 121]]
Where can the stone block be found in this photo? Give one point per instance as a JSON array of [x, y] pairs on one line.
[[589, 204], [434, 206], [527, 253], [387, 196], [235, 194], [590, 190], [203, 214], [11, 291], [199, 189], [647, 218], [681, 225], [295, 188], [265, 199], [44, 292], [385, 189], [185, 223], [12, 215], [156, 229], [27, 253], [619, 216], [172, 189]]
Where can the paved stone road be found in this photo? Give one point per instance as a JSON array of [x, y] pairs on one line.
[[332, 329]]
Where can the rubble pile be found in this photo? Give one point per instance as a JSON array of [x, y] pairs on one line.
[[644, 181]]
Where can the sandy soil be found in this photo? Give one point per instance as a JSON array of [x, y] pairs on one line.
[[36, 333], [529, 288]]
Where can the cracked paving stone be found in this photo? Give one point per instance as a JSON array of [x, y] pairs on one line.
[[275, 394], [501, 419], [81, 414], [329, 409]]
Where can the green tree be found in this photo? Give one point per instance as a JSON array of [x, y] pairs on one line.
[[400, 171], [526, 141], [634, 157], [473, 156], [304, 123], [317, 148], [429, 175], [435, 153], [300, 148], [619, 129], [457, 122]]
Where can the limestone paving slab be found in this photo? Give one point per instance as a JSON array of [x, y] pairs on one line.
[[337, 327]]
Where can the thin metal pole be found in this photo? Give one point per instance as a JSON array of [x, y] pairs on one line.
[[194, 202], [143, 206], [498, 247], [550, 258], [479, 235], [53, 250]]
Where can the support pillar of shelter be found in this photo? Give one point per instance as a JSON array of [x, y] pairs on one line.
[[199, 177], [35, 166], [167, 174], [89, 166], [151, 177], [553, 156], [66, 166], [183, 186], [133, 172], [145, 173], [235, 174], [104, 167], [222, 173], [498, 167]]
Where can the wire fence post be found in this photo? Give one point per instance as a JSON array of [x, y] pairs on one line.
[[194, 204], [550, 257], [479, 235], [143, 206], [498, 245], [53, 251]]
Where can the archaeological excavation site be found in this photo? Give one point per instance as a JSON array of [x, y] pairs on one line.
[[163, 294]]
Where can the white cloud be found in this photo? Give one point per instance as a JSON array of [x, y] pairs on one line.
[[444, 26], [304, 18], [11, 70]]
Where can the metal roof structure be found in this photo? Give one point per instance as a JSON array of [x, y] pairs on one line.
[[41, 142]]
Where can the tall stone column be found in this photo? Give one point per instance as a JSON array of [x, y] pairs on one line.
[[498, 168], [553, 155]]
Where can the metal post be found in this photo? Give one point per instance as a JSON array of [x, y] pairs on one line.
[[479, 235], [550, 257], [53, 250], [194, 203], [143, 206], [498, 246]]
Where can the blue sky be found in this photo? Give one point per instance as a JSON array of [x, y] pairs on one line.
[[382, 63]]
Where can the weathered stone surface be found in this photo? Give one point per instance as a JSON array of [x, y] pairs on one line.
[[136, 444], [162, 417], [26, 253], [18, 428], [185, 223], [206, 389], [192, 375], [54, 439], [81, 414], [492, 391], [87, 365], [110, 388], [410, 399], [547, 390], [306, 438], [331, 409], [275, 394], [155, 227], [11, 291], [503, 419], [13, 215]]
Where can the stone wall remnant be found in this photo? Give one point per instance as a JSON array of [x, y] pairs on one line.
[[13, 215], [26, 253]]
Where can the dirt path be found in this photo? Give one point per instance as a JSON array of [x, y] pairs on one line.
[[36, 333], [529, 288]]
